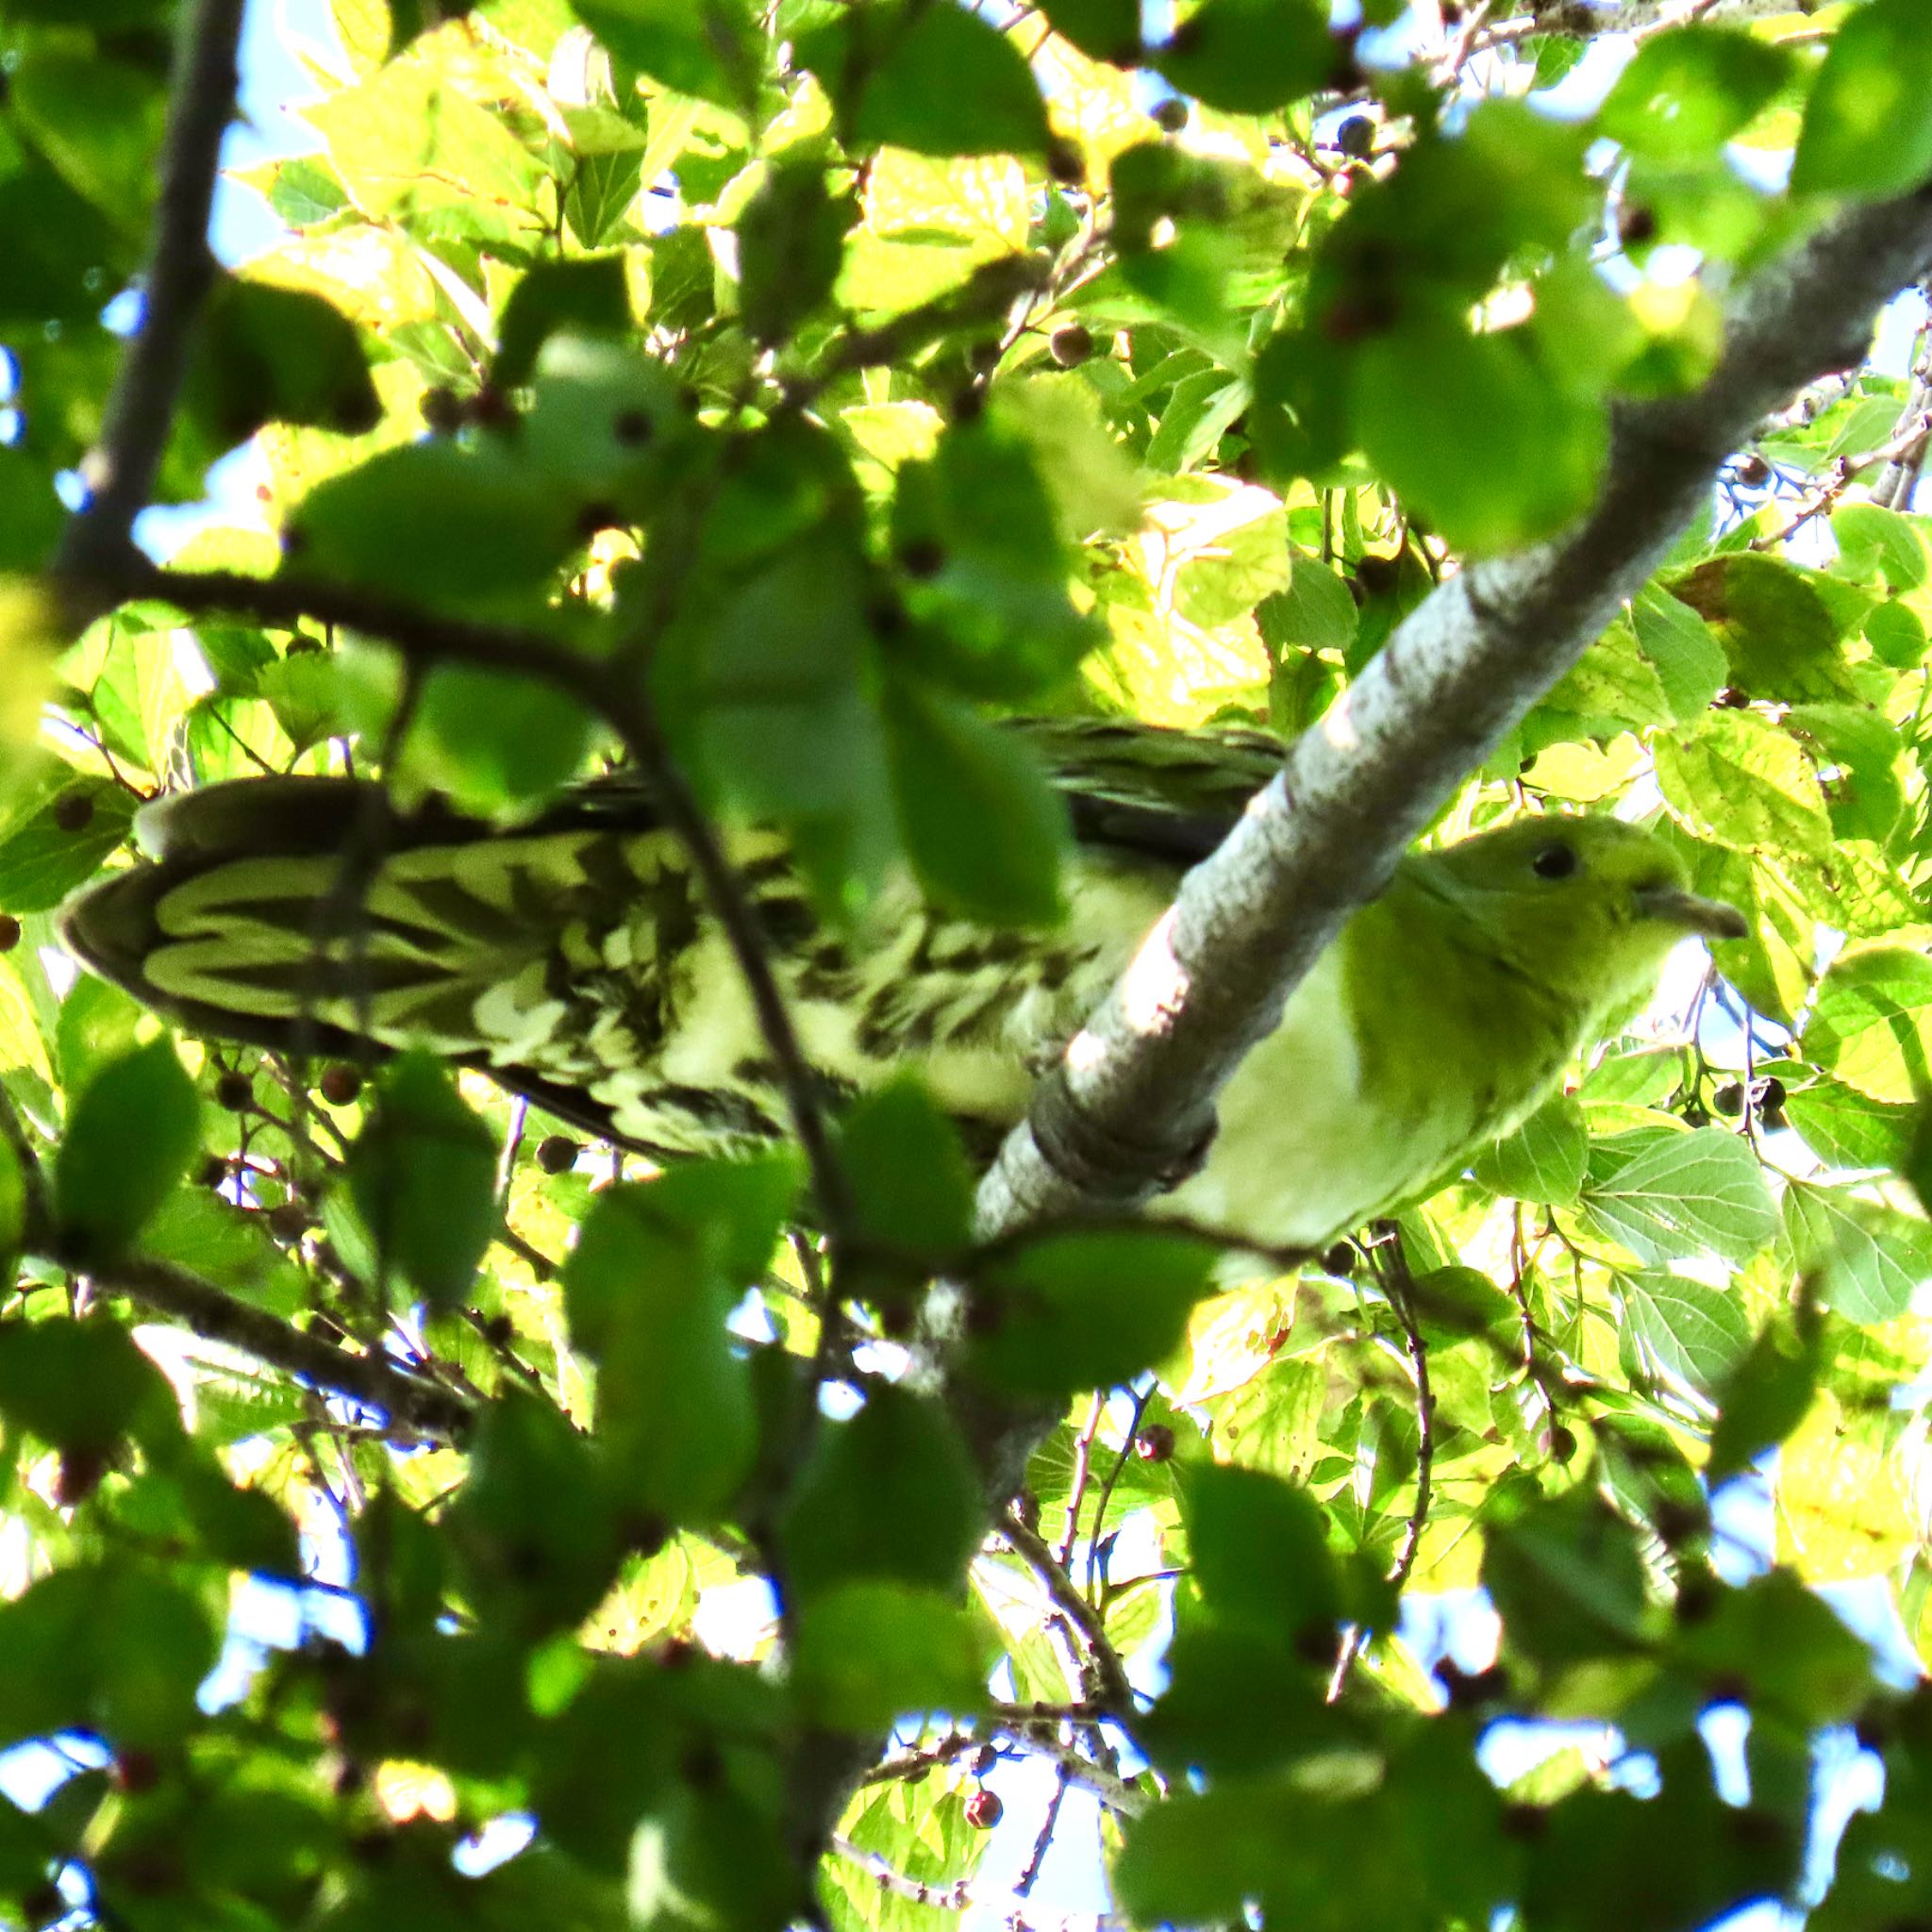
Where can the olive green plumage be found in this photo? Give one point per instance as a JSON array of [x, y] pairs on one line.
[[575, 959]]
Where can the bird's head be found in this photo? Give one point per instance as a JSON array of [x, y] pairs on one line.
[[1589, 907]]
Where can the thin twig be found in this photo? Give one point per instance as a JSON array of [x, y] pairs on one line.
[[120, 470], [215, 1315], [1110, 1672], [1042, 1840]]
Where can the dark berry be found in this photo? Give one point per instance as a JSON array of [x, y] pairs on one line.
[[340, 1083], [1340, 1259], [1154, 1443], [1317, 1643], [557, 1154], [1070, 345], [442, 411], [74, 812], [1678, 1522], [9, 932], [1523, 1821], [1377, 575], [1561, 1443], [78, 1475], [984, 1810], [1752, 470], [490, 407], [1696, 1598], [1170, 115], [1064, 164], [983, 1761], [1356, 136], [1728, 1100], [499, 1331], [1635, 223], [632, 427], [288, 1221], [923, 557], [1696, 1117], [135, 1771], [1770, 1095], [214, 1172], [236, 1091]]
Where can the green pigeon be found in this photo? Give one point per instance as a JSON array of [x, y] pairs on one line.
[[575, 959]]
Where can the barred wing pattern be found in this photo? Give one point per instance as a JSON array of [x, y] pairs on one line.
[[575, 960]]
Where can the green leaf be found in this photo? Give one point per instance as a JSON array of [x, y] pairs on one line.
[[1689, 661], [1874, 540], [83, 1386], [31, 516], [1799, 1660], [1870, 1258], [1741, 780], [411, 149], [113, 1647], [709, 1861], [790, 246], [1864, 793], [983, 828], [889, 1493], [1259, 1553], [422, 1175], [1544, 1159], [1697, 1332], [1761, 1401], [706, 50], [1102, 29], [1689, 89], [129, 1138], [1567, 1577], [1085, 1311], [1472, 434], [1846, 1129], [932, 77], [1870, 1025], [535, 1525], [271, 354], [486, 740], [1773, 626], [1250, 56], [911, 1182], [1868, 124], [656, 1273], [870, 1652], [54, 835], [587, 294], [1665, 1195], [97, 120], [437, 521], [981, 543]]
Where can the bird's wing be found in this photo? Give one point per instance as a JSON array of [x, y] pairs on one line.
[[574, 957]]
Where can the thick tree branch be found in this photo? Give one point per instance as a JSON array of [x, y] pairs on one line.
[[1136, 1088], [120, 470]]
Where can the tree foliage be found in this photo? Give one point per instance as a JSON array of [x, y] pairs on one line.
[[769, 396]]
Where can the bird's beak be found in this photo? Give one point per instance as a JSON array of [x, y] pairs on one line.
[[1711, 917]]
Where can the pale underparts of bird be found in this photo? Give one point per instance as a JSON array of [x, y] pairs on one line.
[[575, 960]]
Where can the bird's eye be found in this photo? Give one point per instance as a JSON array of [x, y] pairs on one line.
[[1555, 861]]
